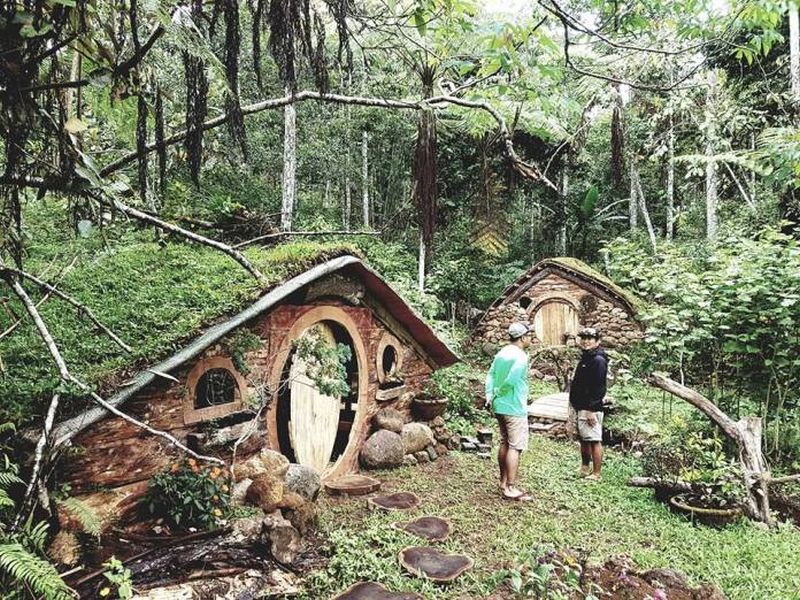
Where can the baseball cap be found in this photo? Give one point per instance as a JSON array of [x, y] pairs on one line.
[[517, 330], [589, 332]]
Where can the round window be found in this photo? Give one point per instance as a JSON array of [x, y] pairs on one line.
[[215, 387]]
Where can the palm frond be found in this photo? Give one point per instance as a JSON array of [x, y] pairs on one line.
[[27, 569]]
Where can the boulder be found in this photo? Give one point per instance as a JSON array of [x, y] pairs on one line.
[[249, 469], [302, 518], [239, 491], [274, 462], [416, 437], [432, 452], [266, 492], [292, 500], [303, 480], [247, 531], [390, 419], [409, 460], [382, 450], [441, 449], [284, 540], [422, 457]]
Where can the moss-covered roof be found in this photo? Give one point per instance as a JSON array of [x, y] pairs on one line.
[[153, 295], [582, 269]]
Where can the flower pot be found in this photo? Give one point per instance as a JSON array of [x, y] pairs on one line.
[[714, 517], [427, 409]]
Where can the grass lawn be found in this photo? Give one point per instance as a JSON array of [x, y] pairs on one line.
[[603, 518]]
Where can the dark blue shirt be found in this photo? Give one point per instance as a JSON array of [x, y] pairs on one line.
[[589, 382]]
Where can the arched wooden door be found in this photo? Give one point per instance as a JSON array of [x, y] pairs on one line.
[[553, 320], [314, 416]]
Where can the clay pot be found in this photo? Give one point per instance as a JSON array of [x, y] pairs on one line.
[[427, 409], [714, 517]]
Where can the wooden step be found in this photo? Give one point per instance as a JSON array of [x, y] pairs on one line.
[[353, 485]]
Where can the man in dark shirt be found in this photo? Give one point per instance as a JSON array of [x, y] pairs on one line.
[[586, 396]]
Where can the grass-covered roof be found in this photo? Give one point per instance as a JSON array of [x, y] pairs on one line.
[[584, 270], [155, 295]]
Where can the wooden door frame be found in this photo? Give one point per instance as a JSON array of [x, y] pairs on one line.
[[349, 458]]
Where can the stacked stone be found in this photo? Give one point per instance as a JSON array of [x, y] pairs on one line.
[[492, 332], [395, 442]]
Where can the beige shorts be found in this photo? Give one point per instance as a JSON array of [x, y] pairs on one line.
[[513, 431], [590, 433]]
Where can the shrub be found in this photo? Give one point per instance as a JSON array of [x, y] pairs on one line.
[[189, 495], [462, 386]]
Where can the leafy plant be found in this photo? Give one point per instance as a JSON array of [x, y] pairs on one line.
[[552, 575], [119, 578], [190, 495], [462, 386], [239, 344], [327, 363]]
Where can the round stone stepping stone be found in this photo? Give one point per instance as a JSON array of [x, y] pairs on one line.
[[436, 566], [396, 501], [433, 529], [369, 590], [353, 485]]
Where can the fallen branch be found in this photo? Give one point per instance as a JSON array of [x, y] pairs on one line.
[[67, 377], [67, 298], [525, 169], [747, 435], [786, 479], [284, 234], [190, 235], [651, 482]]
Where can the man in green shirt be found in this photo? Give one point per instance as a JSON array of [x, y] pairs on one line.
[[507, 395]]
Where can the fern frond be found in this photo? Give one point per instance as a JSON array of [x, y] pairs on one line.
[[36, 535], [85, 515], [7, 428], [29, 570], [8, 479]]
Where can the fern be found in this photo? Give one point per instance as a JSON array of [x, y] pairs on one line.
[[84, 513], [36, 573]]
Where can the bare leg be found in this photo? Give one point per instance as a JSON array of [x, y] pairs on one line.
[[512, 468], [597, 458], [502, 452], [586, 457]]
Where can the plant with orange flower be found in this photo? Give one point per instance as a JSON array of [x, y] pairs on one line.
[[189, 494]]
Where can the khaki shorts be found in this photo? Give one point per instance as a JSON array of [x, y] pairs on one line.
[[513, 431], [589, 433]]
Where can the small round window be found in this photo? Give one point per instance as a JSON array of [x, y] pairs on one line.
[[215, 387], [389, 360]]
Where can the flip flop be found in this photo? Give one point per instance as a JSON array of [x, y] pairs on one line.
[[523, 497]]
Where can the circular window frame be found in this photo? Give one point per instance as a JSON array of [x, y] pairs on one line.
[[196, 415], [387, 341]]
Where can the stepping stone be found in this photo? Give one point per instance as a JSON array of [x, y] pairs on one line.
[[353, 485], [369, 590], [397, 501], [433, 529], [485, 436], [436, 566]]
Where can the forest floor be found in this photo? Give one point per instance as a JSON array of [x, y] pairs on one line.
[[600, 520]]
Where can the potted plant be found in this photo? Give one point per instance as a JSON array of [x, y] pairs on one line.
[[427, 407]]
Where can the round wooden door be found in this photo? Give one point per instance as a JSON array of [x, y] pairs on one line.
[[553, 320], [314, 416]]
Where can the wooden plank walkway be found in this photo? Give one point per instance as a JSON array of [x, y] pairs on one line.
[[552, 406]]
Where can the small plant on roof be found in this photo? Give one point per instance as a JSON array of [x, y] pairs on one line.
[[327, 363], [190, 495]]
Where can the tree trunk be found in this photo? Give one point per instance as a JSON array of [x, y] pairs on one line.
[[671, 178], [561, 236], [421, 263], [425, 169], [636, 185], [365, 177], [794, 56], [633, 212], [711, 164], [746, 433], [289, 187]]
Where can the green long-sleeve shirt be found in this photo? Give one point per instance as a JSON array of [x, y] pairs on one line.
[[507, 382]]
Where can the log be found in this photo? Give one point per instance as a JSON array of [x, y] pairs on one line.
[[651, 482], [747, 435]]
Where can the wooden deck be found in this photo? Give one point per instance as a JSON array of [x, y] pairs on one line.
[[552, 406]]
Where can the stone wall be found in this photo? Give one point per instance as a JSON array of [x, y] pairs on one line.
[[617, 325]]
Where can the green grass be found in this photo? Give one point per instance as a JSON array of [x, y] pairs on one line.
[[605, 518], [154, 296]]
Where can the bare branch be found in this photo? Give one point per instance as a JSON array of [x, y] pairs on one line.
[[67, 298], [285, 234]]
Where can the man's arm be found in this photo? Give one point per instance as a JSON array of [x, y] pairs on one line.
[[489, 387]]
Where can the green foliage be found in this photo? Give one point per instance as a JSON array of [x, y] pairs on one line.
[[552, 575], [462, 386], [190, 495], [239, 344], [698, 459], [26, 571], [725, 316], [84, 513], [120, 578], [326, 362]]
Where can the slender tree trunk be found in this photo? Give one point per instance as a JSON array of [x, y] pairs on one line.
[[633, 211], [561, 236], [671, 178], [752, 179], [711, 164], [365, 177], [326, 199], [636, 183], [289, 188], [425, 171], [794, 56], [421, 263], [348, 198]]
